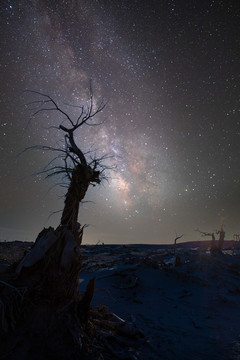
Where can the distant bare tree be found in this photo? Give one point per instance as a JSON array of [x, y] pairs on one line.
[[221, 233], [213, 243], [236, 237], [214, 248], [177, 238], [175, 241]]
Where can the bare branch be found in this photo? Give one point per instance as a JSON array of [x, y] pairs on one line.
[[79, 168], [54, 213], [177, 238], [203, 233], [50, 100]]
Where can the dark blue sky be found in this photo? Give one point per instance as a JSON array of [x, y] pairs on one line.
[[169, 71]]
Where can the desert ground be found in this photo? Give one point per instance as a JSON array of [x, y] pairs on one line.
[[188, 310]]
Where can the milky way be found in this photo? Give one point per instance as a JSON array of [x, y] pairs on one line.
[[169, 74]]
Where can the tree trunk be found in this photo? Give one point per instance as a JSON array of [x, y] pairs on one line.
[[213, 247], [221, 239], [43, 316], [39, 298], [76, 192]]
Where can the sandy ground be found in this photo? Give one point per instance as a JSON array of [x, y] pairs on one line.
[[191, 311]]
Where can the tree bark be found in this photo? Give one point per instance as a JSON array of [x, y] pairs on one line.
[[43, 315], [76, 192], [82, 176]]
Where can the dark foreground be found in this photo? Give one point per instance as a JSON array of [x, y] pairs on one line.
[[189, 311]]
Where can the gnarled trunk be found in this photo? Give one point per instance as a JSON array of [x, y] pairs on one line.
[[76, 192], [82, 176], [43, 287]]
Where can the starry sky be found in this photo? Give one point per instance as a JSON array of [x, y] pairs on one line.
[[169, 73]]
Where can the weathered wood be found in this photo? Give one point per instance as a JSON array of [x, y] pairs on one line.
[[48, 309], [82, 176], [41, 247], [42, 313]]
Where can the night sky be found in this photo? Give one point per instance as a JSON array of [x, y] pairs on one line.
[[169, 72]]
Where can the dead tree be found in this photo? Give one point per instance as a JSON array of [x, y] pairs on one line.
[[177, 238], [39, 298], [178, 260], [221, 233], [213, 243], [175, 241], [213, 248], [236, 239]]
